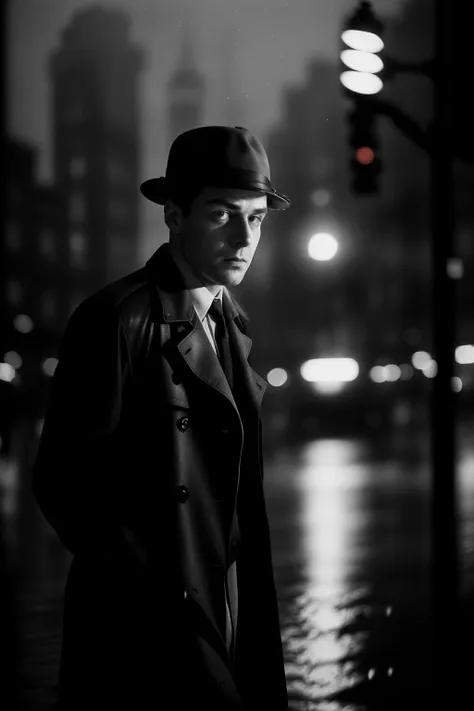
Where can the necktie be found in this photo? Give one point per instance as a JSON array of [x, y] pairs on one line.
[[222, 339]]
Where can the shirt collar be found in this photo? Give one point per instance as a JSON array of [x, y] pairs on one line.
[[200, 294]]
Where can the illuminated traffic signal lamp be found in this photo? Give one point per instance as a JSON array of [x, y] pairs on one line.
[[361, 78], [365, 157], [362, 43]]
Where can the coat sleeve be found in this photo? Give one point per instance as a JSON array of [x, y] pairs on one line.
[[73, 474]]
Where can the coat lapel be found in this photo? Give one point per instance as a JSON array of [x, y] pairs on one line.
[[254, 385], [175, 307], [200, 357]]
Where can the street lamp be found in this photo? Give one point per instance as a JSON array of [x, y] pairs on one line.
[[329, 375], [322, 247]]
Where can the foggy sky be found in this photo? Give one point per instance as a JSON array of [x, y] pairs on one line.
[[248, 51]]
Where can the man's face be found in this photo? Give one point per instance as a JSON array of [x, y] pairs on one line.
[[220, 235]]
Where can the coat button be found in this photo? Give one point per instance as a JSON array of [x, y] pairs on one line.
[[183, 424], [182, 494], [225, 432]]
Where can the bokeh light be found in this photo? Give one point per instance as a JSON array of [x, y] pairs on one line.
[[430, 369], [277, 377], [330, 370], [23, 323], [49, 366], [421, 359], [14, 359], [322, 247], [465, 354], [7, 372]]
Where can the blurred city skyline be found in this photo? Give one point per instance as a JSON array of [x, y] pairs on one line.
[[247, 53]]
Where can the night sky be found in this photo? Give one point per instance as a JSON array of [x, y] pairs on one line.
[[247, 50]]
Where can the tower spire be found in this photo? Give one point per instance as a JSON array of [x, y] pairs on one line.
[[186, 91]]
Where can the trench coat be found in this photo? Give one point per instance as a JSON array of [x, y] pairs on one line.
[[142, 437]]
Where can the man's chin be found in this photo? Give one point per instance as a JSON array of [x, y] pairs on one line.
[[225, 277], [232, 279]]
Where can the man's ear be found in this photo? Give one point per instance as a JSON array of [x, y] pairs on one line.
[[173, 216]]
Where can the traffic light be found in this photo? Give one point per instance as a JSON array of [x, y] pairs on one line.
[[361, 67], [365, 161], [362, 44]]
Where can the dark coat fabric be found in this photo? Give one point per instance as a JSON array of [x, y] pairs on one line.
[[147, 465]]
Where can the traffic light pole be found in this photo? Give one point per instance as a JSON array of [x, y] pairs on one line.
[[445, 564], [438, 142]]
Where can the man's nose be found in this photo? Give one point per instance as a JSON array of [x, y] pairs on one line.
[[242, 233]]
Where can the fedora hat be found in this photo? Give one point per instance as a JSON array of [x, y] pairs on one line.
[[215, 156]]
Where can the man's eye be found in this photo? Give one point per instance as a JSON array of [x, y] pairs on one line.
[[256, 219], [219, 214]]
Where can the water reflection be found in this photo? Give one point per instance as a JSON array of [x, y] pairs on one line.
[[8, 488], [466, 516], [351, 530], [351, 584], [330, 482]]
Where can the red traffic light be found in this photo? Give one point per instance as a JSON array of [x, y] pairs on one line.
[[365, 155]]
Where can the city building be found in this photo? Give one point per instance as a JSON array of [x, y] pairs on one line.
[[96, 143], [186, 93], [35, 290], [63, 242]]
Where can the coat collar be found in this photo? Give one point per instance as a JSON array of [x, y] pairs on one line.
[[175, 306], [201, 297], [175, 303]]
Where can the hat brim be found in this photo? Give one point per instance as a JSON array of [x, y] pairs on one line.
[[155, 189]]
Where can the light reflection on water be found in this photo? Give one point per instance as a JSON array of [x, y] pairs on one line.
[[466, 514], [353, 570], [327, 615], [329, 482]]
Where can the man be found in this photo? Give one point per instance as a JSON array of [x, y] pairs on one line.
[[150, 462]]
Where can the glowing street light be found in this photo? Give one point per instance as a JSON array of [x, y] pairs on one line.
[[322, 247], [329, 370], [465, 354], [328, 376]]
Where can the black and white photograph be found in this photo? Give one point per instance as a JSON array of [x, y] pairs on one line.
[[237, 356]]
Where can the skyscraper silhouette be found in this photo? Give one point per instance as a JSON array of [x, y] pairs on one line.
[[186, 92], [95, 115]]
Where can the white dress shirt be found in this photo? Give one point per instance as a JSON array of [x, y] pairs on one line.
[[201, 297]]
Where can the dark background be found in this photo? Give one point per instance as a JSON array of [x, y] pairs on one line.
[[95, 93]]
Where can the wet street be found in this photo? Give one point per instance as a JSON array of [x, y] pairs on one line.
[[350, 528]]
